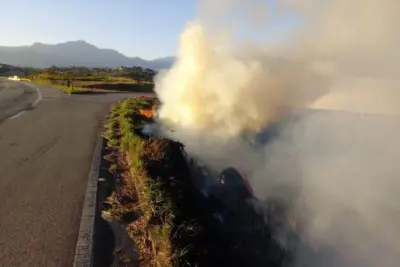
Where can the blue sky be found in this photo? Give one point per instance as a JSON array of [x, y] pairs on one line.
[[145, 28]]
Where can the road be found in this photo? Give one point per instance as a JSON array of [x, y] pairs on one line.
[[15, 98], [45, 156]]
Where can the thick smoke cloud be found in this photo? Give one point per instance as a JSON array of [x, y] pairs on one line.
[[214, 89], [336, 170]]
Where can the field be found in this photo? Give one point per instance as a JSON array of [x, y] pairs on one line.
[[85, 80]]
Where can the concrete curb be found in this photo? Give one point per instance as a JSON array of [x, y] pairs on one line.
[[84, 245]]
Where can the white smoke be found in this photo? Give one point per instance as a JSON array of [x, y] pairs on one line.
[[340, 168], [213, 88]]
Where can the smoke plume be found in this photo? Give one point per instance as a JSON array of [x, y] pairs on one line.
[[337, 169]]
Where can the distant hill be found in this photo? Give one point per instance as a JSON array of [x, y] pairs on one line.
[[8, 70], [74, 53]]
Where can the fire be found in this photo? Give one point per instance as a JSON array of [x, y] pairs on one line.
[[149, 113]]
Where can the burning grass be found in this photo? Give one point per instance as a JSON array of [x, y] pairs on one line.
[[125, 148], [156, 200]]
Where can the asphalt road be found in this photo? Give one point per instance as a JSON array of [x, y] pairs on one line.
[[15, 98], [45, 156]]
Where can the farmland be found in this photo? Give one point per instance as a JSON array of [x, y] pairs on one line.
[[94, 80]]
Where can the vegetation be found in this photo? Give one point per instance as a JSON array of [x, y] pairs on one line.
[[84, 73], [70, 89], [155, 199], [139, 193], [156, 190], [8, 70], [85, 80]]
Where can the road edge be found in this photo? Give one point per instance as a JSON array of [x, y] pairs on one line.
[[84, 245], [39, 97]]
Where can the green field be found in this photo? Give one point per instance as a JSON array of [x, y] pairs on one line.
[[95, 80]]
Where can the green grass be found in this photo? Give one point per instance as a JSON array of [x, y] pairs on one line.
[[86, 80], [71, 90], [124, 120], [66, 89], [168, 231], [92, 74], [170, 228]]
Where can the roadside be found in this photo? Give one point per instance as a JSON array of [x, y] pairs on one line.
[[131, 203], [71, 89], [153, 198]]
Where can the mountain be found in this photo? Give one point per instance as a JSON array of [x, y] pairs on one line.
[[77, 53]]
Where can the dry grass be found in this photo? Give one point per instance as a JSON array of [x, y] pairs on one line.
[[117, 84], [73, 90], [157, 186], [174, 224], [151, 230]]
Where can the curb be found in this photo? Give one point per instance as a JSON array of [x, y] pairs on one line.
[[84, 245]]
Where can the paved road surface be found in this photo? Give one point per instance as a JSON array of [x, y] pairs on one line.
[[45, 156], [15, 98]]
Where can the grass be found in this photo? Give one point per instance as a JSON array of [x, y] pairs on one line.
[[172, 224], [152, 229], [72, 90], [95, 81]]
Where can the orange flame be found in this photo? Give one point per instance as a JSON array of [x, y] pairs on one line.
[[149, 113]]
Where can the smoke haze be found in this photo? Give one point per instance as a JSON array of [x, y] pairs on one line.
[[338, 168]]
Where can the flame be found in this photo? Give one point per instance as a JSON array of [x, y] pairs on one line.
[[149, 113]]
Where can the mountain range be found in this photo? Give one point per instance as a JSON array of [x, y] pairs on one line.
[[74, 53]]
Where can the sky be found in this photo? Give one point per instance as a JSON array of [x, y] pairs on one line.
[[145, 28]]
